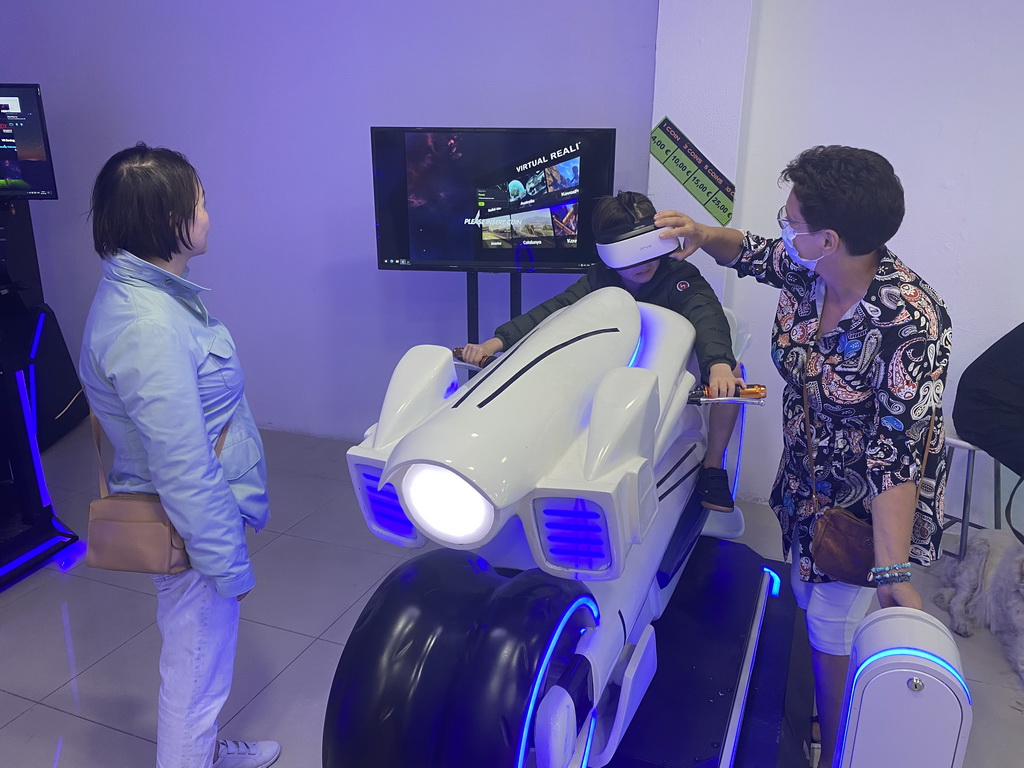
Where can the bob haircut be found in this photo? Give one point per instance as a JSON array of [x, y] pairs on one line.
[[144, 202], [854, 192]]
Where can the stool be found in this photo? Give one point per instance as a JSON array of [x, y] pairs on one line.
[[952, 444]]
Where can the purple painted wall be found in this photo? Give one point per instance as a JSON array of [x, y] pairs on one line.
[[273, 103]]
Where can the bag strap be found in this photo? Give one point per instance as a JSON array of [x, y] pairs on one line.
[[104, 490], [924, 460], [810, 448]]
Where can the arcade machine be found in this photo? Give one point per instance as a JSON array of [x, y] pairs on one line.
[[36, 372], [558, 483], [560, 502]]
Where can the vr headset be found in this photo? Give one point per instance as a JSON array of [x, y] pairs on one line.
[[633, 244]]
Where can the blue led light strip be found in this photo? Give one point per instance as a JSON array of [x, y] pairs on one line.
[[590, 739], [30, 428], [31, 554], [582, 601], [39, 333], [776, 581], [32, 401], [636, 352]]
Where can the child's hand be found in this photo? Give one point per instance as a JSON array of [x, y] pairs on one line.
[[723, 381], [691, 235], [474, 354]]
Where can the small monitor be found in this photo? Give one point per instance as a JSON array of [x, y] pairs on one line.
[[26, 172], [489, 199]]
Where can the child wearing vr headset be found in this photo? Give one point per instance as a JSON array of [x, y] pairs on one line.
[[634, 258]]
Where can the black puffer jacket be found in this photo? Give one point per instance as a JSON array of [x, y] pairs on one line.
[[676, 285]]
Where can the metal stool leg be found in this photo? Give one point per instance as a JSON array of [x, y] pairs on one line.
[[997, 486], [965, 520]]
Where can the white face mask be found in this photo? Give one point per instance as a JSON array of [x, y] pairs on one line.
[[788, 234]]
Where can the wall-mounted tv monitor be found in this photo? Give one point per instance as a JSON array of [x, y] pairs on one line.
[[489, 199], [26, 172]]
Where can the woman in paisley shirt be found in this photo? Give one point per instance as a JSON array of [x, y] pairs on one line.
[[870, 340]]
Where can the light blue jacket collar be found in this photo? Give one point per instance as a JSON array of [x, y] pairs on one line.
[[124, 267]]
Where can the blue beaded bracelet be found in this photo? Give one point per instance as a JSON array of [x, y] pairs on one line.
[[892, 578], [878, 570]]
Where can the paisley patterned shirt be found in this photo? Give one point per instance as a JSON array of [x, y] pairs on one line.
[[872, 386]]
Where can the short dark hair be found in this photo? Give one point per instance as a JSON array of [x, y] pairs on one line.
[[853, 191], [612, 212], [144, 201]]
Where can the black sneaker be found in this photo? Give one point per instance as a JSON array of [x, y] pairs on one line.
[[713, 485]]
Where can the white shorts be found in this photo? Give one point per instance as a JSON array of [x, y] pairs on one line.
[[833, 610]]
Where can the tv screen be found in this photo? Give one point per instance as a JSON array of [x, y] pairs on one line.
[[26, 172], [489, 199]]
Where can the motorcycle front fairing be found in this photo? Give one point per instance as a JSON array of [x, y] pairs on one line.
[[571, 421]]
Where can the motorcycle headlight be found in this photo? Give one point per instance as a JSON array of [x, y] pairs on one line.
[[445, 505]]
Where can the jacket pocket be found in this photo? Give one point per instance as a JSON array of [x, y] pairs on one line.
[[238, 458], [222, 362]]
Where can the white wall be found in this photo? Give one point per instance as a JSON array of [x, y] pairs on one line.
[[934, 87], [699, 85], [272, 102]]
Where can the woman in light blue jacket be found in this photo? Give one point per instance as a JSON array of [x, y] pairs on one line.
[[164, 380]]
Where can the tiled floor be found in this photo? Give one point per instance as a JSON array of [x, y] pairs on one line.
[[79, 647]]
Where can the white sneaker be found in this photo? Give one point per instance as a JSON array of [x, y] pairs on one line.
[[246, 754]]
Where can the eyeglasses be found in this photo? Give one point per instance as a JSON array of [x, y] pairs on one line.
[[785, 221]]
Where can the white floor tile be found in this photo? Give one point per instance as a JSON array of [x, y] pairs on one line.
[[339, 631], [65, 627], [59, 495], [73, 510], [294, 497], [137, 582], [341, 522], [74, 469], [291, 709], [304, 586], [997, 734], [21, 588], [44, 737], [257, 540], [263, 653], [11, 706], [106, 694], [120, 690], [304, 454]]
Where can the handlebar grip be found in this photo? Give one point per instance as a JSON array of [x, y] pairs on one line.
[[457, 354], [749, 392], [752, 391]]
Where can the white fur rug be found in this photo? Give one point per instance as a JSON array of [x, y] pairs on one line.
[[986, 589]]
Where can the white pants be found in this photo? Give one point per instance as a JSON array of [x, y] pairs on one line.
[[834, 610], [200, 631]]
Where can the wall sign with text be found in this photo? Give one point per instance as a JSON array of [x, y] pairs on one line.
[[693, 170]]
